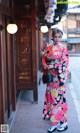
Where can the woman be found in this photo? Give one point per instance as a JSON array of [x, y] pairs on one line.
[[55, 106]]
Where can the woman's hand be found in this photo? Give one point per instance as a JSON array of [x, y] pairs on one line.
[[47, 67], [50, 66]]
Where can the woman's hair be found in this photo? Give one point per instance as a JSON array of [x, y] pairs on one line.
[[56, 31]]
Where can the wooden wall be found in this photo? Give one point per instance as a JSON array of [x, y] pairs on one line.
[[19, 54], [7, 74], [27, 44]]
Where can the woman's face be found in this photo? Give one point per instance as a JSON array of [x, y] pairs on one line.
[[57, 38]]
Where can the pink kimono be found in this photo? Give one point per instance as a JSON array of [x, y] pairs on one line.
[[55, 106]]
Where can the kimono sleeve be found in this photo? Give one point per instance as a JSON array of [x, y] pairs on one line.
[[62, 67], [45, 56]]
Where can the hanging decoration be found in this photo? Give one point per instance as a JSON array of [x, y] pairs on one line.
[[49, 17]]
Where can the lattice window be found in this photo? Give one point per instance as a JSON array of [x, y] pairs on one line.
[[78, 24]]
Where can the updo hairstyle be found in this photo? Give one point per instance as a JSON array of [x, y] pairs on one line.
[[55, 31]]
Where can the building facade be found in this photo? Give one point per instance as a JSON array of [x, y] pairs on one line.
[[71, 27]]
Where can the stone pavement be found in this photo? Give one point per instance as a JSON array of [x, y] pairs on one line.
[[28, 116], [74, 67]]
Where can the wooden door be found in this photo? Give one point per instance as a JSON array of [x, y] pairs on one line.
[[7, 104], [26, 48], [24, 57], [24, 53]]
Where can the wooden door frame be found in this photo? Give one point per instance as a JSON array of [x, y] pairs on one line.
[[12, 67], [2, 107]]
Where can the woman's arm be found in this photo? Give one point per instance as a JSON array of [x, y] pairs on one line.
[[44, 57], [62, 67]]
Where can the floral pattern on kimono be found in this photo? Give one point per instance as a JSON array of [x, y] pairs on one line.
[[55, 105]]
